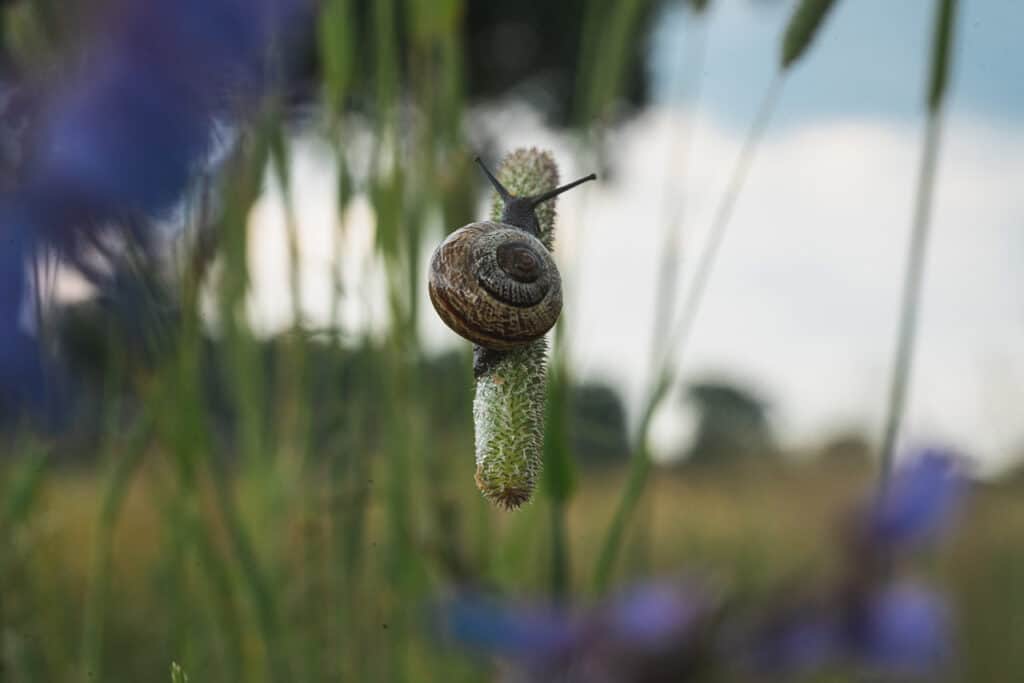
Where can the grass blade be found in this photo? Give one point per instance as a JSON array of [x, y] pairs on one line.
[[917, 249], [802, 28]]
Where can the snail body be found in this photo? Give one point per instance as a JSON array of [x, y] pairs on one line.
[[496, 284]]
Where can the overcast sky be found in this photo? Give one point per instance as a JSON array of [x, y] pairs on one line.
[[804, 303]]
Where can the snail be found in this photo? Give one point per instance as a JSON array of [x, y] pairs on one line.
[[495, 283]]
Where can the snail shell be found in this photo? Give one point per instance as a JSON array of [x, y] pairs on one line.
[[496, 285]]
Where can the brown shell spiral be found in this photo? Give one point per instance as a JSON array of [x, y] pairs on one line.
[[495, 285]]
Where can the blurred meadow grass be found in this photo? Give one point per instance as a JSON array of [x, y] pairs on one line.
[[286, 509], [338, 621]]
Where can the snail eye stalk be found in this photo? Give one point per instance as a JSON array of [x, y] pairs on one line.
[[519, 211], [551, 194], [505, 195]]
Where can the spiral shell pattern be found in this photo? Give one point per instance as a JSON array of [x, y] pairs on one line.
[[495, 285]]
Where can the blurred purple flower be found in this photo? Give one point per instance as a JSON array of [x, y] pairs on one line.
[[652, 615], [649, 632], [539, 634], [919, 502], [673, 631], [131, 125], [116, 142], [867, 620], [899, 629], [904, 629]]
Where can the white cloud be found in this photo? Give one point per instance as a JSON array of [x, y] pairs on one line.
[[330, 246], [805, 298]]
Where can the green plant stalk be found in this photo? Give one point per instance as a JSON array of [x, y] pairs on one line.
[[349, 506], [178, 674], [242, 187], [398, 237], [675, 176], [187, 431], [609, 36], [123, 469], [401, 560], [666, 373], [691, 62], [222, 599], [19, 496], [559, 473], [337, 52], [803, 26], [509, 407], [904, 357], [560, 567], [253, 579], [20, 493], [639, 467]]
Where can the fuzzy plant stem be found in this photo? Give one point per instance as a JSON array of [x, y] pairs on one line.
[[508, 410]]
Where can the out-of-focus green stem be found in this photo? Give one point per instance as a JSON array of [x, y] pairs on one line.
[[666, 373], [124, 467], [917, 250], [221, 593], [252, 575], [560, 567], [559, 477], [904, 356], [676, 176], [640, 465], [716, 235]]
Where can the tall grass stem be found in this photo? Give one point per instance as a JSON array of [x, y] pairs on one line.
[[903, 360], [665, 374]]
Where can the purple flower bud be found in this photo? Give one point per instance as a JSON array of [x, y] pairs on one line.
[[918, 503], [904, 629]]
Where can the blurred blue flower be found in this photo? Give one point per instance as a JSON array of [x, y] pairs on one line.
[[648, 632], [904, 629], [652, 615], [116, 141], [866, 620], [134, 121], [672, 631], [918, 503], [895, 629], [535, 633]]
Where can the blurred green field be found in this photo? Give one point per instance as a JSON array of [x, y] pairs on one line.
[[343, 610]]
